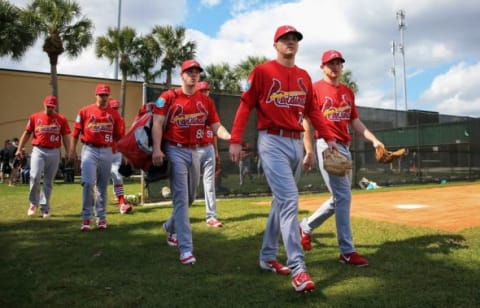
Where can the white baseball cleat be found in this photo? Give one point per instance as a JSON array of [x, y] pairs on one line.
[[32, 209]]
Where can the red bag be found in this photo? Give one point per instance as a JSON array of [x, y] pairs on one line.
[[136, 145]]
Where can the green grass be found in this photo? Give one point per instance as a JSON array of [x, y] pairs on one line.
[[51, 263]]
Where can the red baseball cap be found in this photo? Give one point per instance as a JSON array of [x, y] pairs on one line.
[[102, 89], [282, 30], [330, 55], [188, 64], [50, 101], [203, 85], [114, 103]]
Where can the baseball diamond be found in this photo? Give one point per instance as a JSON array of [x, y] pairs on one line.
[[449, 208]]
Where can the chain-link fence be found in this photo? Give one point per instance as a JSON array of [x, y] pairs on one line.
[[441, 148]]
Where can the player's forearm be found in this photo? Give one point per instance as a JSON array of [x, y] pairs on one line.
[[23, 140], [221, 131], [67, 143], [371, 137], [157, 132], [73, 143], [308, 136], [240, 123], [361, 129]]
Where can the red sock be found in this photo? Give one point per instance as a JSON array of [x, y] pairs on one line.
[[121, 199]]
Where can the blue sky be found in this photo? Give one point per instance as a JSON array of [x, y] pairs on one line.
[[442, 42]]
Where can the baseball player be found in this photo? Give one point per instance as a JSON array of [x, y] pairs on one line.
[[99, 126], [49, 129], [337, 103], [209, 159], [282, 94], [117, 178], [185, 113]]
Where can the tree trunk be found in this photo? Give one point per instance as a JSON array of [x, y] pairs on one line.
[[54, 84], [169, 78], [53, 46]]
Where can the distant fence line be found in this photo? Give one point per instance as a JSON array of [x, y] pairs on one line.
[[441, 148]]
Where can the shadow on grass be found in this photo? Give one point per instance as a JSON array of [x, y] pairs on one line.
[[416, 272], [51, 263]]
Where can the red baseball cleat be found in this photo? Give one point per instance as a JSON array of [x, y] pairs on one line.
[[354, 259], [275, 266], [303, 283]]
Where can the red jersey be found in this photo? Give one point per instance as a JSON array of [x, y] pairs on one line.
[[122, 129], [187, 116], [337, 104], [99, 127], [282, 96], [209, 135], [47, 130]]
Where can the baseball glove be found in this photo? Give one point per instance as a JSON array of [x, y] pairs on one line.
[[384, 156], [335, 163]]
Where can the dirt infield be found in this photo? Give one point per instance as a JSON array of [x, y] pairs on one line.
[[450, 208]]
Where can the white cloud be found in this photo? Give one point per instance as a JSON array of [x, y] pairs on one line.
[[241, 6], [376, 99], [210, 3], [438, 33], [141, 15], [441, 51], [456, 91], [457, 106]]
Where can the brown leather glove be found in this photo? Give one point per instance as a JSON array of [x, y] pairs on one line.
[[335, 163], [384, 156]]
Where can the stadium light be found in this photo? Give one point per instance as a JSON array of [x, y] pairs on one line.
[[394, 74], [118, 29], [401, 27]]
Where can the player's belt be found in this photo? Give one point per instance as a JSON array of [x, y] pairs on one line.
[[188, 146], [295, 134], [97, 145], [345, 144], [44, 147]]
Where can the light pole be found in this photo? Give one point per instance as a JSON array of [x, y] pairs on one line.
[[401, 28], [394, 73], [118, 29]]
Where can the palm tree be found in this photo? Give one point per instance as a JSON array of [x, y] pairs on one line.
[[176, 49], [346, 78], [64, 29], [122, 43], [222, 79], [146, 56], [243, 69], [15, 36]]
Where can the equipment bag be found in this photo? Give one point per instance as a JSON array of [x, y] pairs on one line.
[[136, 145]]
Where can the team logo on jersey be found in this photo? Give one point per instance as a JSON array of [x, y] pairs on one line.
[[160, 102], [100, 125], [337, 113], [78, 119], [183, 120], [287, 98], [48, 128]]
